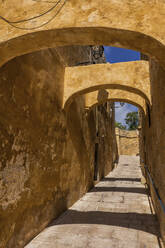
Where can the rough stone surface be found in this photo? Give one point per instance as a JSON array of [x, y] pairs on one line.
[[153, 140], [135, 25], [116, 213], [130, 76], [33, 100], [128, 142], [47, 156], [81, 55], [115, 95]]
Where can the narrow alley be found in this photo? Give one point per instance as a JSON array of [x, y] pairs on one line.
[[116, 213]]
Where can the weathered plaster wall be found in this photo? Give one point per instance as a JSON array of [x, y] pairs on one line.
[[133, 24], [154, 139], [141, 129], [81, 55], [107, 145], [137, 25], [128, 142], [131, 76], [46, 155], [114, 95]]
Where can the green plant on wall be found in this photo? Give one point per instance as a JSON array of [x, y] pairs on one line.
[[119, 125]]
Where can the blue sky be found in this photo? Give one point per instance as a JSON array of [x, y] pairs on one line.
[[120, 113], [116, 55]]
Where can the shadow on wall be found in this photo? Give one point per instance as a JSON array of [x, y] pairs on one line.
[[75, 127]]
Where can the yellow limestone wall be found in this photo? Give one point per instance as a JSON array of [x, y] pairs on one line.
[[131, 76], [47, 155], [114, 95], [127, 141], [136, 24], [154, 140]]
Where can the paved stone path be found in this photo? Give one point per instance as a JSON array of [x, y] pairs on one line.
[[114, 214]]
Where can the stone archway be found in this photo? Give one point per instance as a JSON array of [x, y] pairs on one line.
[[137, 25], [115, 95], [133, 77]]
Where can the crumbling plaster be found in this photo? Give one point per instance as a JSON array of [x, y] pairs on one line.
[[47, 155], [128, 142], [137, 25]]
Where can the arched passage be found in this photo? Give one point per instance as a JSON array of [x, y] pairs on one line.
[[130, 76], [117, 23], [115, 95], [136, 25]]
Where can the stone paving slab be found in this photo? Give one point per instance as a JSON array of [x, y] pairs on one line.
[[114, 214]]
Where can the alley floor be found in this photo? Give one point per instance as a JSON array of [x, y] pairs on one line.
[[116, 213]]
